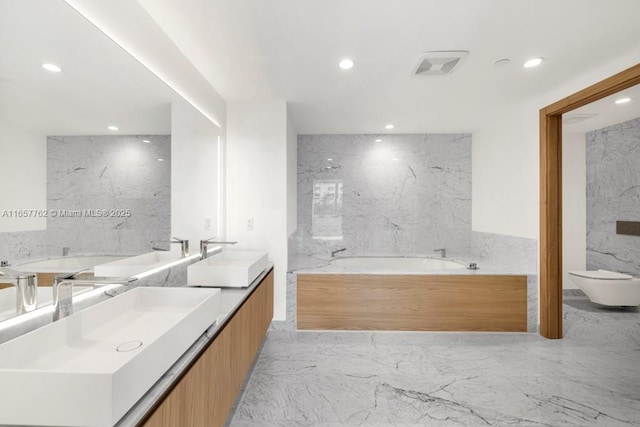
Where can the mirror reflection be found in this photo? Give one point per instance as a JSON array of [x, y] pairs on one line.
[[85, 148]]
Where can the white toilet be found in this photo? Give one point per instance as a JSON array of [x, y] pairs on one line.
[[608, 287]]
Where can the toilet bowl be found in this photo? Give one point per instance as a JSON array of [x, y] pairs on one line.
[[608, 287]]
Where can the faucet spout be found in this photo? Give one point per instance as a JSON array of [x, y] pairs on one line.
[[184, 246], [333, 253], [204, 246], [443, 252], [63, 291], [26, 289]]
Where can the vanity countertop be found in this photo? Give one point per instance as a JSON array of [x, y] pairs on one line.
[[232, 300]]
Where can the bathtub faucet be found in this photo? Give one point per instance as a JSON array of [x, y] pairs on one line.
[[443, 252], [333, 253]]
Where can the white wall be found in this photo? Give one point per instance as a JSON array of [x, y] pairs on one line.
[[504, 170], [574, 205], [23, 162], [194, 175], [292, 177], [256, 184]]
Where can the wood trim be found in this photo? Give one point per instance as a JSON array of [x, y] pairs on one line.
[[551, 226], [551, 193], [623, 80], [206, 394], [412, 302]]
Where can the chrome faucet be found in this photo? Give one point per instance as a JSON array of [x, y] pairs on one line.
[[184, 243], [204, 246], [26, 289], [443, 252], [333, 253], [63, 291]]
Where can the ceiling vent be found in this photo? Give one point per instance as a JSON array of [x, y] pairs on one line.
[[439, 63]]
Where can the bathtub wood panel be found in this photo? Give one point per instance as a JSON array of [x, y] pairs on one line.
[[412, 302]]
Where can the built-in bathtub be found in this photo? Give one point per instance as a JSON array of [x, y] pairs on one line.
[[409, 294]]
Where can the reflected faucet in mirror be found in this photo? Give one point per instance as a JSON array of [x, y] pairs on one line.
[[204, 246], [443, 252], [26, 288], [184, 245], [63, 291]]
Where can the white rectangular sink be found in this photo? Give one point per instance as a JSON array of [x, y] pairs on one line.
[[90, 368], [131, 266], [228, 269]]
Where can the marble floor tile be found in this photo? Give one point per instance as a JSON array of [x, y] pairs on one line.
[[336, 379]]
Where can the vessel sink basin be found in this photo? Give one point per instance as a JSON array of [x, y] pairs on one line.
[[228, 269], [131, 266], [90, 368]]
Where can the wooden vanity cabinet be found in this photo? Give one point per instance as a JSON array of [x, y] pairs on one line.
[[205, 395]]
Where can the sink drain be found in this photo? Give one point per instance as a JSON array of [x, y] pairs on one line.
[[129, 346]]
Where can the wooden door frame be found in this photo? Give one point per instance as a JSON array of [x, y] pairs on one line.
[[551, 193]]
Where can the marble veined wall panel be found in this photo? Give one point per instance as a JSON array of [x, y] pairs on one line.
[[613, 194], [108, 194], [403, 195]]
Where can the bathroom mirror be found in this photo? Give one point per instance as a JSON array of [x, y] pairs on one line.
[[85, 144]]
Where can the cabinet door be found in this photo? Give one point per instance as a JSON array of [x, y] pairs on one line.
[[206, 394]]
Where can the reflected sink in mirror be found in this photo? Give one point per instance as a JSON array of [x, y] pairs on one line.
[[228, 269], [131, 266], [90, 368], [66, 264]]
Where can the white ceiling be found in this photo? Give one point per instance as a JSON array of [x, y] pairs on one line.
[[100, 84], [604, 112], [289, 50]]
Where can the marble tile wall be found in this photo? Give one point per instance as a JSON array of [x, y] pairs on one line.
[[121, 174], [613, 194], [23, 244], [508, 252], [405, 195]]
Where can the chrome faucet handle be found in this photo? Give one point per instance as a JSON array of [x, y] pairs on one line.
[[204, 244], [26, 289], [184, 245]]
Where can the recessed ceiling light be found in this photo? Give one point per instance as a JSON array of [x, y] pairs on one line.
[[146, 141], [161, 160], [623, 100], [346, 64], [112, 127], [331, 160], [395, 159], [389, 126], [533, 62], [502, 62], [378, 140], [52, 67]]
